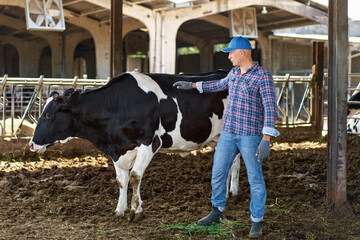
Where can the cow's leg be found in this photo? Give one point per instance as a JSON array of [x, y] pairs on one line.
[[143, 158], [233, 177], [122, 178], [122, 168]]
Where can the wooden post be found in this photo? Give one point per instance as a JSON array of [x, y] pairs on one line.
[[116, 42], [318, 75], [337, 135]]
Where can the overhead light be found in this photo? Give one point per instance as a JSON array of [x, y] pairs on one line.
[[180, 1], [264, 10]]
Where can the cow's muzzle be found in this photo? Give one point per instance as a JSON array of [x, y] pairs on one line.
[[36, 148]]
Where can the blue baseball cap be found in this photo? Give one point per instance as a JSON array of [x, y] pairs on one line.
[[238, 43]]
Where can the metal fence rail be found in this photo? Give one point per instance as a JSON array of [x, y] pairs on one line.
[[23, 99]]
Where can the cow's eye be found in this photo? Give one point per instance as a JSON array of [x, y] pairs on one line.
[[47, 116]]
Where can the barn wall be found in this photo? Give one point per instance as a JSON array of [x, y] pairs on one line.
[[289, 56], [293, 57]]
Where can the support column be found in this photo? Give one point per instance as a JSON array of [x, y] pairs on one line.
[[56, 45], [168, 43], [116, 42], [155, 44], [102, 51], [337, 135]]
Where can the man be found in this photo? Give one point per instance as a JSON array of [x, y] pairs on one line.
[[249, 122]]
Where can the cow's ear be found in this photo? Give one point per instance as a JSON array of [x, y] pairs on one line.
[[55, 95], [73, 99], [68, 92]]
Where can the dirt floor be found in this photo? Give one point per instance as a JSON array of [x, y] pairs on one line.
[[70, 192]]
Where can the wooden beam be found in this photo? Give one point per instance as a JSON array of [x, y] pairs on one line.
[[71, 2], [92, 11], [100, 3], [281, 21], [141, 1], [300, 9]]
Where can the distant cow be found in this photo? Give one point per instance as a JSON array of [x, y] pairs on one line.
[[353, 124], [131, 118]]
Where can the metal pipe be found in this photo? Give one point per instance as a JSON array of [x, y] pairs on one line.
[[12, 110]]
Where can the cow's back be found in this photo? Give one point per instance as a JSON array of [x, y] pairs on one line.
[[189, 119]]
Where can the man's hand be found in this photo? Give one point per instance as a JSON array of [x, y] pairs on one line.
[[183, 85], [263, 150]]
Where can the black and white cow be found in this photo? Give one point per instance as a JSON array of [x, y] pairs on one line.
[[131, 118], [353, 124]]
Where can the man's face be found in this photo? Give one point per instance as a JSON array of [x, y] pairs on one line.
[[236, 56]]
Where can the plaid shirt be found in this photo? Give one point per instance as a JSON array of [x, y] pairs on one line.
[[251, 108]]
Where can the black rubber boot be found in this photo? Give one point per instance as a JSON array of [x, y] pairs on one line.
[[256, 230], [214, 216]]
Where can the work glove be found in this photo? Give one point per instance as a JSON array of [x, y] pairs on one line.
[[263, 150], [183, 85]]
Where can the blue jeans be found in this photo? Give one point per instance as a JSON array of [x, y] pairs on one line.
[[227, 148]]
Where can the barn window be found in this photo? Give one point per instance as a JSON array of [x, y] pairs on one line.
[[138, 54], [188, 50]]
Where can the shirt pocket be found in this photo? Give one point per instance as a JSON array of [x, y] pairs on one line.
[[231, 81], [249, 89]]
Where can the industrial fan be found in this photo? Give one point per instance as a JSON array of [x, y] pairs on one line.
[[243, 23], [44, 15]]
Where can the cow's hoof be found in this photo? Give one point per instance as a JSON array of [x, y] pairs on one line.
[[133, 217], [233, 193], [120, 213]]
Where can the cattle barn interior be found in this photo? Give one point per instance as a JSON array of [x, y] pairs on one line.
[[296, 40], [164, 37]]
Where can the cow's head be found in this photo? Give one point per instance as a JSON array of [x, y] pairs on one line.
[[56, 121]]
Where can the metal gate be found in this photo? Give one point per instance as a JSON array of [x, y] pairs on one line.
[[22, 98], [294, 100]]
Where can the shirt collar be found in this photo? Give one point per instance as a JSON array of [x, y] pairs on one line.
[[237, 68]]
